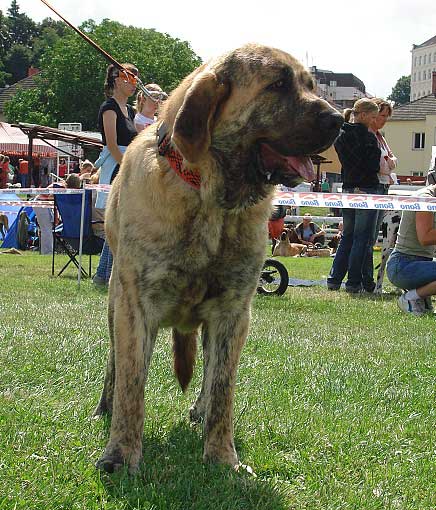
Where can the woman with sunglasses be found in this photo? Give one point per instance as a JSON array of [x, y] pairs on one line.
[[116, 124]]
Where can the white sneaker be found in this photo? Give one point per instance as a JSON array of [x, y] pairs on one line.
[[413, 306]]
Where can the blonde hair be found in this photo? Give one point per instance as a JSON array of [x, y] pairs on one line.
[[383, 104], [363, 105], [140, 98]]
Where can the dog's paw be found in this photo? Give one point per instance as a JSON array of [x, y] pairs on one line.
[[110, 464], [113, 460], [195, 414], [245, 468]]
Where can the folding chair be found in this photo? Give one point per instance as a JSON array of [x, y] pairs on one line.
[[67, 233]]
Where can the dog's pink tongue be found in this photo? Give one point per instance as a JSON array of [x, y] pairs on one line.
[[301, 165]]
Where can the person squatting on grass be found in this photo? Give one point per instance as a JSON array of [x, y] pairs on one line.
[[410, 265], [359, 155], [116, 123]]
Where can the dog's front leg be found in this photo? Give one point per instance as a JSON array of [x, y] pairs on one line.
[[134, 342], [106, 400], [227, 334]]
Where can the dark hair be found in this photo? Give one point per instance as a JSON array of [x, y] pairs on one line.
[[113, 72]]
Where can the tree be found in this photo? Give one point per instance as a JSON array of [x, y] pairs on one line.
[[74, 72], [21, 108], [17, 61], [21, 28], [401, 92]]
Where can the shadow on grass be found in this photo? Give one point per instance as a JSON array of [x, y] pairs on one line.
[[173, 476]]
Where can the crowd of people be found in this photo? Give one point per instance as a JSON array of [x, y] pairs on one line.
[[367, 166]]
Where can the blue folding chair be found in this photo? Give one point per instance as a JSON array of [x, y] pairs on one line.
[[67, 233]]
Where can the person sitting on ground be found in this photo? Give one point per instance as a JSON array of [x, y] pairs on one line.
[[86, 168], [410, 266], [309, 233], [431, 176]]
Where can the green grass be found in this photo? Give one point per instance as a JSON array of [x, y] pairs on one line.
[[335, 404]]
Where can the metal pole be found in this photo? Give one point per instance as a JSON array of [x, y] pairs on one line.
[[30, 161], [82, 218]]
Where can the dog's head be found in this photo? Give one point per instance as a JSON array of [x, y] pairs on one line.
[[254, 111]]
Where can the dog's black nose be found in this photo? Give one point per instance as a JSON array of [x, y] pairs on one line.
[[330, 120]]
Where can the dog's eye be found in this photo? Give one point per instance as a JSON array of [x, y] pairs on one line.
[[277, 85]]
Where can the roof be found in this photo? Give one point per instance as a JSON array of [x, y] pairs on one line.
[[416, 110], [429, 42], [85, 139], [9, 92], [14, 141]]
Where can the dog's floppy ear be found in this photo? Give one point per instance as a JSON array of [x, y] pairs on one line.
[[195, 119]]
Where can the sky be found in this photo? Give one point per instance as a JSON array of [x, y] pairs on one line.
[[371, 39]]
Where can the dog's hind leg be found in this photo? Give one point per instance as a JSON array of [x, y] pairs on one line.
[[198, 409], [134, 340], [106, 400], [227, 336]]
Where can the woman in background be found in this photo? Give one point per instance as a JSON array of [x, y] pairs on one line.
[[116, 123], [359, 155], [146, 108]]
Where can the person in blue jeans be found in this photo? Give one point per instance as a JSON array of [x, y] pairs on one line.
[[116, 123], [359, 155], [410, 265]]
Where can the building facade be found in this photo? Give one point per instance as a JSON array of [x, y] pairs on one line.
[[423, 67], [411, 134], [342, 89]]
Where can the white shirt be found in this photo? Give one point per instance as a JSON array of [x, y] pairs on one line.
[[141, 121]]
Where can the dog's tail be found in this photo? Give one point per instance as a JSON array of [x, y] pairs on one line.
[[184, 351]]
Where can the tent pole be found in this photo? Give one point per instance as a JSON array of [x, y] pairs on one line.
[[30, 159]]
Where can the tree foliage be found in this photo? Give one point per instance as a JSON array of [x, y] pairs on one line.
[[73, 72], [22, 42], [401, 92], [22, 107]]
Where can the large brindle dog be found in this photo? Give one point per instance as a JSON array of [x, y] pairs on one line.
[[187, 224]]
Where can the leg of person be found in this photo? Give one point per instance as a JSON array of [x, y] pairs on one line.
[[320, 239], [45, 221], [363, 234], [340, 262], [101, 277], [418, 275]]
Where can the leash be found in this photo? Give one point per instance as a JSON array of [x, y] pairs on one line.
[[175, 159], [154, 95]]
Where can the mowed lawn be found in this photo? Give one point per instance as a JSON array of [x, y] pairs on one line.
[[335, 404]]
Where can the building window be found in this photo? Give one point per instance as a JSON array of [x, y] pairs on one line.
[[333, 84], [414, 76], [418, 141], [419, 75], [425, 59], [417, 174], [434, 56], [420, 60], [424, 75]]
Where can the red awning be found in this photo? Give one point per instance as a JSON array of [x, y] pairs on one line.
[[14, 142]]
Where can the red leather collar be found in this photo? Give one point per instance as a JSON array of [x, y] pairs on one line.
[[175, 159]]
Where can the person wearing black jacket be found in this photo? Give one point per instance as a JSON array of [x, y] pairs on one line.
[[359, 155]]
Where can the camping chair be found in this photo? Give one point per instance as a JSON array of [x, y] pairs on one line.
[[67, 233]]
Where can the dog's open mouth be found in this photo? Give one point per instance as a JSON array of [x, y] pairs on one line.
[[287, 170]]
